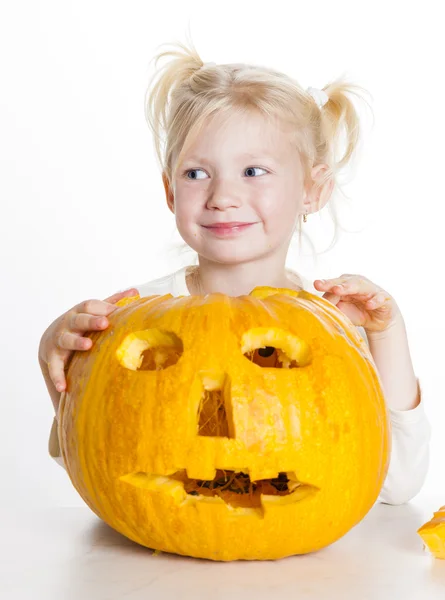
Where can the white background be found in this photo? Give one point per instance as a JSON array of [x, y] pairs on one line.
[[82, 203]]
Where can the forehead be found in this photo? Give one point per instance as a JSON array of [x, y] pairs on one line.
[[246, 134]]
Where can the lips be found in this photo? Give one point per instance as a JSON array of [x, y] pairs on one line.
[[228, 229]]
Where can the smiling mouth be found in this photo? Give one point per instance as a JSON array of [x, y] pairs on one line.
[[234, 488], [225, 230]]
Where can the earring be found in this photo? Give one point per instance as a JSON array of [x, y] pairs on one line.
[[305, 218]]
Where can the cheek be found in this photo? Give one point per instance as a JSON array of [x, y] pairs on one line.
[[187, 210], [283, 198], [188, 215], [277, 210]]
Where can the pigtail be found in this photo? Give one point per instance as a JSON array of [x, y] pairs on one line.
[[340, 117], [336, 133], [161, 88]]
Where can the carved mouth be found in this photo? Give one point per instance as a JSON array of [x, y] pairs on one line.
[[234, 488], [237, 489]]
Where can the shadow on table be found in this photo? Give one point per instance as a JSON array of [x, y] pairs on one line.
[[382, 551], [394, 526]]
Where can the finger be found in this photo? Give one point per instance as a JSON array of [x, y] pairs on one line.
[[377, 300], [56, 372], [98, 308], [71, 341], [355, 285], [333, 298], [328, 283], [81, 322], [116, 297]]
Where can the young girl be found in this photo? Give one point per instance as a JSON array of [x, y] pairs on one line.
[[248, 155]]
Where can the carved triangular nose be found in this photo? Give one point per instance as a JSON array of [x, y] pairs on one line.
[[215, 409]]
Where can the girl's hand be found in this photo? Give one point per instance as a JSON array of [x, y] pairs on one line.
[[64, 335], [366, 304]]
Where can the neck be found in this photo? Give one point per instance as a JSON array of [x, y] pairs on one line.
[[238, 279]]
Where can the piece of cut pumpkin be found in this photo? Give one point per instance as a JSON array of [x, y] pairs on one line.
[[433, 534]]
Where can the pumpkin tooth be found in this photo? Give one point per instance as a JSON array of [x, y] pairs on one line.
[[206, 473]]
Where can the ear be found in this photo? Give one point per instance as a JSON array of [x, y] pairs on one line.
[[317, 198], [168, 193]]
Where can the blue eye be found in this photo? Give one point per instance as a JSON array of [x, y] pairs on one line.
[[187, 173], [192, 171], [253, 169]]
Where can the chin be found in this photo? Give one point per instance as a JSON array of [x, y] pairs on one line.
[[231, 250], [232, 257]]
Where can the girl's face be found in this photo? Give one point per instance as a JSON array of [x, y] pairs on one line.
[[239, 189]]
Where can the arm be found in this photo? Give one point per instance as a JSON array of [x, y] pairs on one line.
[[54, 394], [370, 307], [408, 467], [411, 431], [390, 351], [59, 342], [53, 441]]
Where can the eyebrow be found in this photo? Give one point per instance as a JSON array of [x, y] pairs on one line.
[[262, 154]]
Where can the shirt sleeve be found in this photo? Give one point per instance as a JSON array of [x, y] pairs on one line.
[[409, 461], [53, 445]]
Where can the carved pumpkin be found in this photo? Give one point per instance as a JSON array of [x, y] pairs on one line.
[[227, 428], [433, 534]]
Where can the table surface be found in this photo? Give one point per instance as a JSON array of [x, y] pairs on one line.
[[69, 553]]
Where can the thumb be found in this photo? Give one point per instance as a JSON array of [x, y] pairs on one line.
[[123, 294], [332, 298]]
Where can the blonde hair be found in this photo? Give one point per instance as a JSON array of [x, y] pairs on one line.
[[186, 91]]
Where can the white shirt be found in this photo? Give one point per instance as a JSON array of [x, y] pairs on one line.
[[411, 430]]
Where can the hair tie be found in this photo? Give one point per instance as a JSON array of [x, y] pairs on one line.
[[319, 96]]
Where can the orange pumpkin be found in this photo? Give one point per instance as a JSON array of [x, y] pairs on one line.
[[250, 427], [433, 533]]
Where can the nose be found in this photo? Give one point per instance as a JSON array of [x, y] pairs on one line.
[[223, 195], [215, 410]]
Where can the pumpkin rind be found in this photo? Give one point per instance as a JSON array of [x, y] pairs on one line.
[[124, 433], [433, 534]]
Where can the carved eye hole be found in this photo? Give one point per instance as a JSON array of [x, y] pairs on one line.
[[264, 357], [150, 350], [266, 352], [275, 348]]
